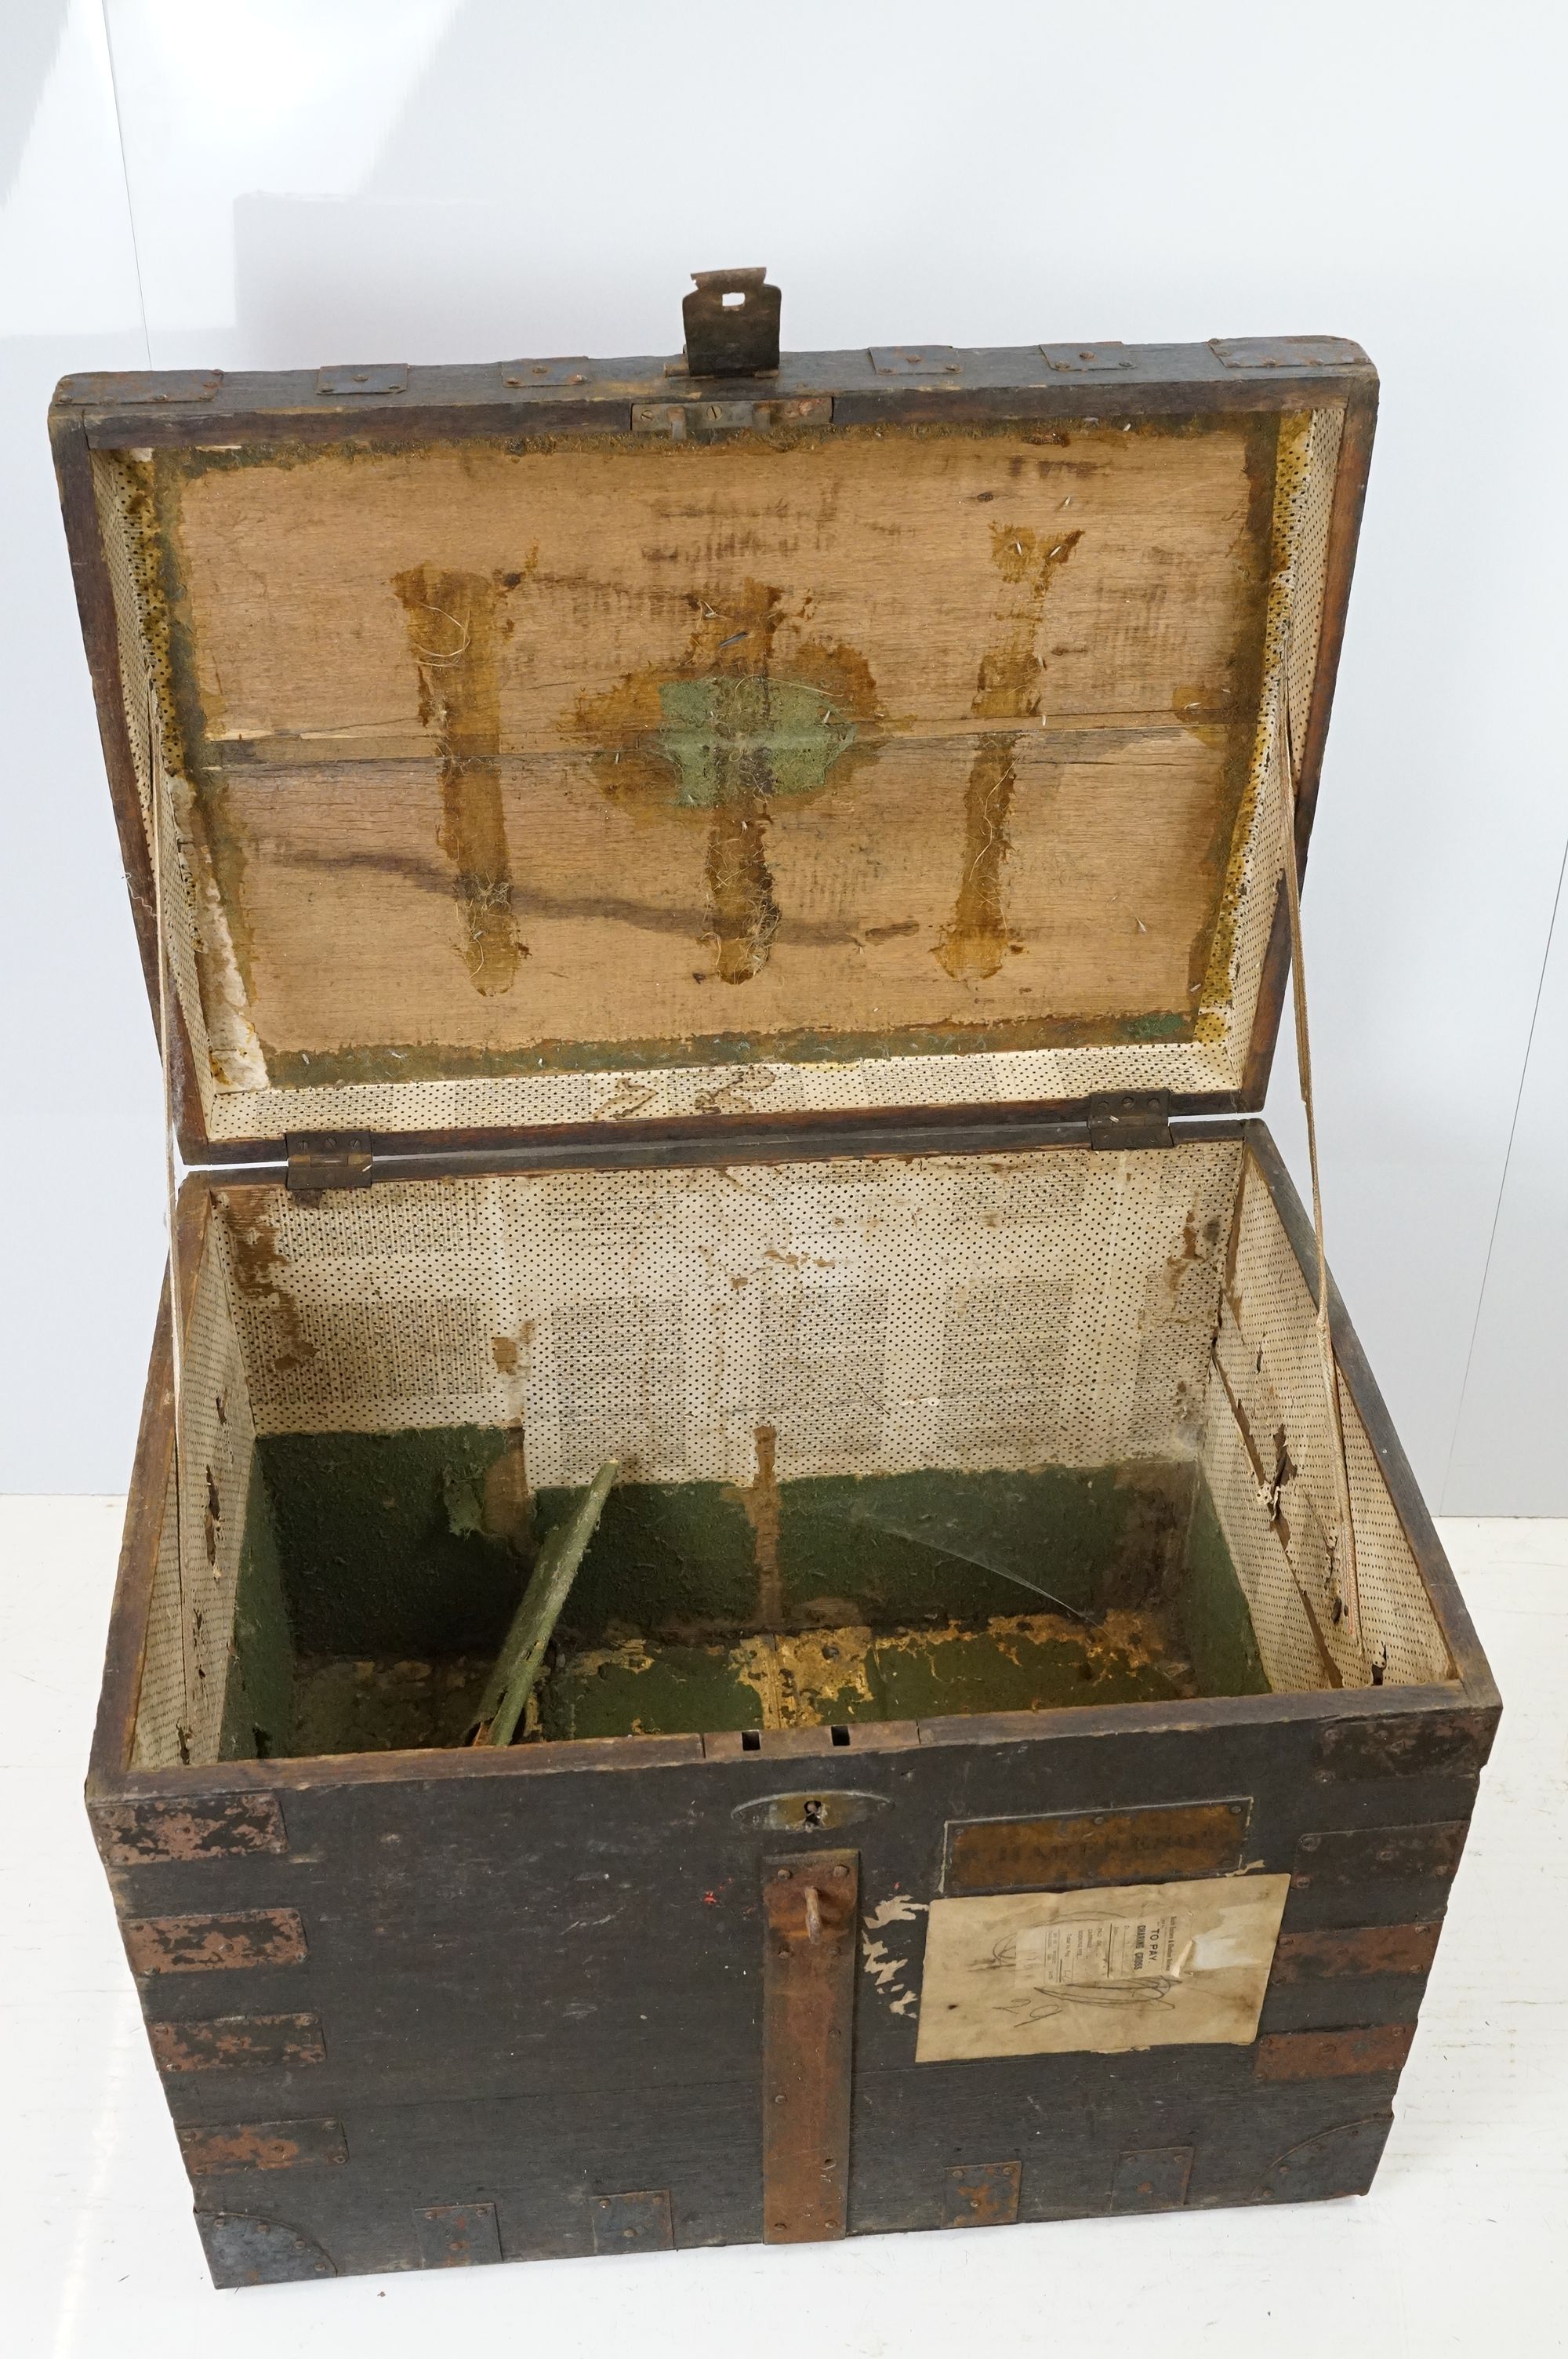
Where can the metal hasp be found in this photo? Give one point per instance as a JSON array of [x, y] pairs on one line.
[[810, 1910], [731, 325]]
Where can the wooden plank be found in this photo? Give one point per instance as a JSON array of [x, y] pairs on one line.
[[810, 1903]]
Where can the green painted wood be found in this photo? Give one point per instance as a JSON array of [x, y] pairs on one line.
[[258, 1692], [517, 1664]]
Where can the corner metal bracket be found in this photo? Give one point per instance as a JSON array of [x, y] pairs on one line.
[[1334, 353], [1129, 1118], [811, 1911], [138, 388], [571, 371], [1087, 360], [363, 376], [732, 324], [915, 359]]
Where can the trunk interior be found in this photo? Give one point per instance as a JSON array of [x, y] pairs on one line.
[[896, 1440]]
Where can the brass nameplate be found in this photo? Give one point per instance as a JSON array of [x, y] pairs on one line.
[[1078, 1847]]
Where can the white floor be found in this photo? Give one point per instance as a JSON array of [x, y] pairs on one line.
[[1462, 2246]]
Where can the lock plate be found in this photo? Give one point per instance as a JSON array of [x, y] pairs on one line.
[[805, 1814]]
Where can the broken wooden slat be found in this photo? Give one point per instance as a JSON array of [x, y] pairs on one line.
[[510, 1683]]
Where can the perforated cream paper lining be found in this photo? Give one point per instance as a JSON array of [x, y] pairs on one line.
[[180, 1709], [964, 1312], [1271, 1474], [239, 1103]]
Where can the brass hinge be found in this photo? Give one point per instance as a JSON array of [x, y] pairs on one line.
[[318, 1159], [1123, 1118]]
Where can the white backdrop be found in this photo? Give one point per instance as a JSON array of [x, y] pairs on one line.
[[281, 182]]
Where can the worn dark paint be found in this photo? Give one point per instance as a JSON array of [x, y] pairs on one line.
[[193, 1945], [471, 2064], [234, 1826], [261, 2145], [1346, 1856], [1096, 1847], [1334, 2055], [225, 2043], [1404, 1748]]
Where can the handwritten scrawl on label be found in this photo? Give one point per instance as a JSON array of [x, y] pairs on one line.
[[887, 1972]]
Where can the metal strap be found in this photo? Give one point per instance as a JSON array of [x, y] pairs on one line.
[[1343, 1545]]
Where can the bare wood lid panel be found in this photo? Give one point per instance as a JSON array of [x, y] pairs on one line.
[[519, 780]]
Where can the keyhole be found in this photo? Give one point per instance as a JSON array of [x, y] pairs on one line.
[[811, 1812]]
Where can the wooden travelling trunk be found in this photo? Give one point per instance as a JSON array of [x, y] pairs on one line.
[[730, 915]]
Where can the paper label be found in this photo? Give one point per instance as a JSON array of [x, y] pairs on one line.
[[1136, 1966], [1098, 1952]]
